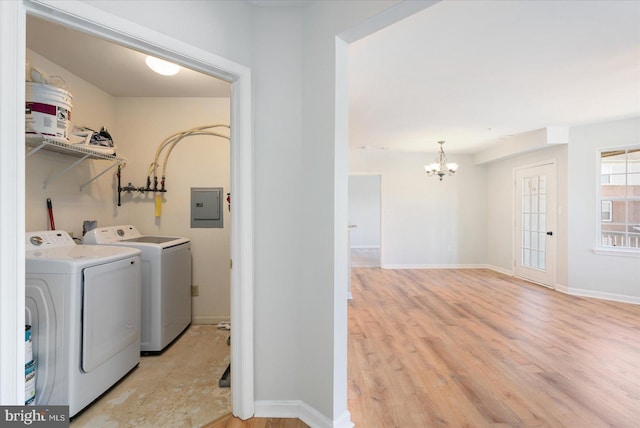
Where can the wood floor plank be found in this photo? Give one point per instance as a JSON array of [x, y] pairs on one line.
[[230, 421], [476, 348]]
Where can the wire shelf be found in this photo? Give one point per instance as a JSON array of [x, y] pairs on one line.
[[83, 153]]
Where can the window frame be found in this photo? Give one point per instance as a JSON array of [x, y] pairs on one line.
[[600, 248]]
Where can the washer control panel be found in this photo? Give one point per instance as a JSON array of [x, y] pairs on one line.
[[47, 239], [110, 234]]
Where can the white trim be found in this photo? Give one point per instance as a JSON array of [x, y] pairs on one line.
[[580, 292], [343, 421], [365, 247], [438, 266], [619, 252], [500, 270], [89, 19], [12, 184], [299, 409], [209, 320], [278, 409], [601, 249]]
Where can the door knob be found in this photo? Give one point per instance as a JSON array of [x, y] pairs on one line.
[[550, 233]]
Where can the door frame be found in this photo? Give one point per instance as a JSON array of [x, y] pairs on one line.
[[516, 202], [88, 19]]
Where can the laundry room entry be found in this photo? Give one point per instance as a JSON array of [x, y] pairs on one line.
[[138, 119]]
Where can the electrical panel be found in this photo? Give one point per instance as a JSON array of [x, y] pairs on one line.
[[206, 207]]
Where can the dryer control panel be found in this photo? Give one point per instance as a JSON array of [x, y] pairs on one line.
[[47, 239], [110, 234]]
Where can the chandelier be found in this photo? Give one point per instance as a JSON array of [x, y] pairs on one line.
[[441, 167]]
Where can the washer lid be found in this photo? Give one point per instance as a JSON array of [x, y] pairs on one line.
[[129, 235], [154, 239]]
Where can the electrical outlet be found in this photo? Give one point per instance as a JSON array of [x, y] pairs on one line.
[[195, 290]]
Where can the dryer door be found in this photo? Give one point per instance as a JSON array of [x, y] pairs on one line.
[[111, 310]]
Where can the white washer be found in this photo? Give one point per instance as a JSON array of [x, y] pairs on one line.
[[83, 305], [166, 281]]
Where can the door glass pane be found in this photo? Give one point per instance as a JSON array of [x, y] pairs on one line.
[[543, 184], [534, 205], [534, 240], [542, 241]]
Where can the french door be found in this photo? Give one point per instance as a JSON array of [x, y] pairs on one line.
[[535, 224]]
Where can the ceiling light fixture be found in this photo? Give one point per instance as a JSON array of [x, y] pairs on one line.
[[161, 66], [441, 167]]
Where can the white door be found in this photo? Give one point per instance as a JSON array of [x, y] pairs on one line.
[[535, 225]]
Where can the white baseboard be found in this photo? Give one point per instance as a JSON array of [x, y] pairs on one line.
[[209, 320], [365, 247], [437, 266], [301, 410], [562, 288], [500, 270], [622, 298], [451, 266]]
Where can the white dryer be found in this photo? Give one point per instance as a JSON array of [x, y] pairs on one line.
[[166, 281], [83, 305]]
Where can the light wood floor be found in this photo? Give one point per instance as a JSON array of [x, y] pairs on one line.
[[229, 421], [474, 348]]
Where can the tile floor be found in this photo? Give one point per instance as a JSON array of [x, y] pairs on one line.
[[178, 388]]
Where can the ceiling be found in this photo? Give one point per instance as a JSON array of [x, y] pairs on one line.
[[467, 72], [117, 70], [473, 72]]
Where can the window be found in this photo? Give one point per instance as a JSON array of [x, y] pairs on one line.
[[619, 216], [606, 211]]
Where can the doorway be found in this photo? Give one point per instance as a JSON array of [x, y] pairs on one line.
[[131, 35], [535, 224], [365, 236]]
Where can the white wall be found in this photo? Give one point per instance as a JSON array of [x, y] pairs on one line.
[[322, 303], [607, 276], [426, 222], [364, 210], [222, 27], [199, 161], [501, 205], [277, 151]]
